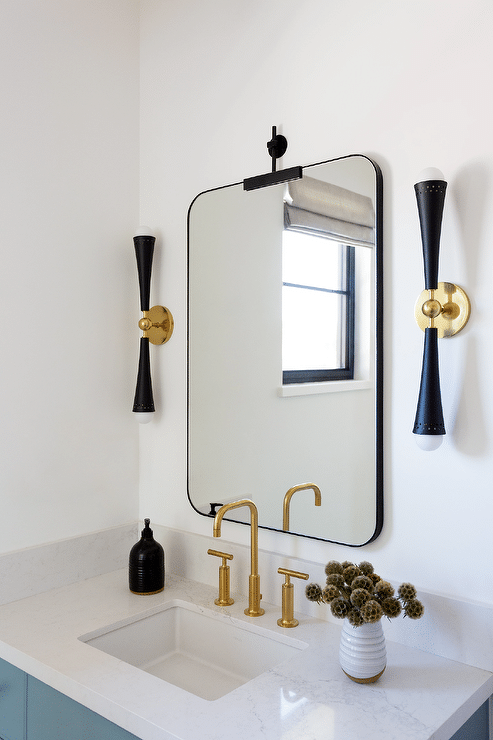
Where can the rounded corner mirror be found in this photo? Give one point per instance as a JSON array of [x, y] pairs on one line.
[[285, 348]]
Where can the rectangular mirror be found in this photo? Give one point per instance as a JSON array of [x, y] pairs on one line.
[[285, 351]]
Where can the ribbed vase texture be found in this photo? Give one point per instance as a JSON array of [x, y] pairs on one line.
[[362, 653]]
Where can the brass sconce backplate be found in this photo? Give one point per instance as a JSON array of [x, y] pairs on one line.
[[157, 324], [447, 308]]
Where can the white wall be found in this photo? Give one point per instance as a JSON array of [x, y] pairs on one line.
[[69, 88], [408, 84]]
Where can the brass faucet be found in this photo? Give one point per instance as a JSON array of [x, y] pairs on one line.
[[287, 619], [224, 599], [287, 500], [254, 595]]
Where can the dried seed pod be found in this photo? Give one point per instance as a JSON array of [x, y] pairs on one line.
[[366, 568], [350, 573], [407, 591], [391, 607], [339, 607], [384, 589], [333, 566], [313, 592], [362, 582], [354, 618], [414, 609], [335, 579], [330, 592], [372, 611], [359, 597]]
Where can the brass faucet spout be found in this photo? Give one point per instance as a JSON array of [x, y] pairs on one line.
[[289, 495], [254, 608]]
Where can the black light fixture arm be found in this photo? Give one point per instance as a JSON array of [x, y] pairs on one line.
[[144, 400], [144, 252], [156, 324], [429, 412], [430, 197]]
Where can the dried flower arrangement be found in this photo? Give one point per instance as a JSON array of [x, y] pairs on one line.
[[357, 593]]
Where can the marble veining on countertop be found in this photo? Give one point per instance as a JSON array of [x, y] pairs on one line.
[[420, 695]]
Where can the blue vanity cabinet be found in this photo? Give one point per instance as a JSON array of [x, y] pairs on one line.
[[476, 727], [53, 716], [31, 710], [13, 683]]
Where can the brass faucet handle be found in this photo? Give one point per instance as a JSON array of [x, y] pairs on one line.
[[293, 574], [224, 555], [224, 599], [287, 619]]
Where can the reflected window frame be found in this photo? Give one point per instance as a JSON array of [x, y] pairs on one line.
[[345, 370]]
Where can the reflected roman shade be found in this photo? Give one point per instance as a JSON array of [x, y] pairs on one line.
[[318, 207]]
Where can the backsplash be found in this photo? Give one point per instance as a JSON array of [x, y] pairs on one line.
[[455, 629], [34, 570]]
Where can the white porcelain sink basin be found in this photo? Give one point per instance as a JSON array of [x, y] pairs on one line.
[[202, 652]]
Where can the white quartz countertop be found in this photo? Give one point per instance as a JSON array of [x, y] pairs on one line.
[[420, 695]]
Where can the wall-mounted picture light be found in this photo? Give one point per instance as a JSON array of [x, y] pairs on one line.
[[156, 324], [441, 310]]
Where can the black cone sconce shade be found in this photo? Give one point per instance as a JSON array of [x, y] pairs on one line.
[[441, 310], [156, 324]]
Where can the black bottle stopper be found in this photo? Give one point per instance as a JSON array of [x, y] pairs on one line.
[[146, 564]]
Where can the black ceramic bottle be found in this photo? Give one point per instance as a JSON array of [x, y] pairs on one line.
[[146, 564]]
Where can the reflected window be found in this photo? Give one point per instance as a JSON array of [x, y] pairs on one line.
[[318, 299]]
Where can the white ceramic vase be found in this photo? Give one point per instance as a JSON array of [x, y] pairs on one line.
[[362, 653]]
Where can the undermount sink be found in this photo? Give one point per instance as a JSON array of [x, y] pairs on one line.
[[202, 652]]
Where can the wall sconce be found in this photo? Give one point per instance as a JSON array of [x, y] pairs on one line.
[[441, 310], [156, 324]]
